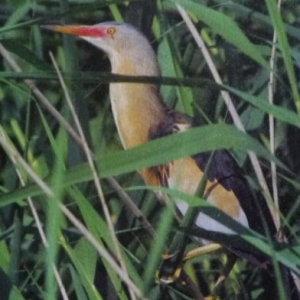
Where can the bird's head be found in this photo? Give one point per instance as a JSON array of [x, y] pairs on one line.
[[121, 41]]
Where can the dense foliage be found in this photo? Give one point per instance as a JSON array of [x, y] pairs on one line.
[[47, 190]]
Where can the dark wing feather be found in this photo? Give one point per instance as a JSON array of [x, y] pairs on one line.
[[224, 168], [226, 171]]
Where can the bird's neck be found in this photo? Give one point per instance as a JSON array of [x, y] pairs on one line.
[[136, 107]]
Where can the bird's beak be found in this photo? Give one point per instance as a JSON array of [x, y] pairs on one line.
[[79, 30]]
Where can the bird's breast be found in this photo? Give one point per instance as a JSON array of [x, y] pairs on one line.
[[136, 108]]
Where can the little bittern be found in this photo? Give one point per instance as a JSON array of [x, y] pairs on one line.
[[140, 115]]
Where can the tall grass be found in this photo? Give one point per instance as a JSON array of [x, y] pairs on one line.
[[58, 238]]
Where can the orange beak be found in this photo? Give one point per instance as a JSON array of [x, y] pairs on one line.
[[79, 30]]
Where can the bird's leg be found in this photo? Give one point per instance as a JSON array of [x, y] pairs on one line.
[[231, 260], [172, 264], [187, 283], [171, 270]]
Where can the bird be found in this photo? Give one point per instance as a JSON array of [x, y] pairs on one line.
[[141, 115]]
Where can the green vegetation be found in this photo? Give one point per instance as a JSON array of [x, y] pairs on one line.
[[66, 235]]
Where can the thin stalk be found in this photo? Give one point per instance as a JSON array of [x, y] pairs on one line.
[[271, 90]]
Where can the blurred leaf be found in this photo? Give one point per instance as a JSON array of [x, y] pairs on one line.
[[83, 276], [24, 53], [98, 228], [281, 113], [88, 256], [19, 13], [252, 118], [158, 246], [197, 140], [171, 67], [77, 284], [4, 257], [225, 27]]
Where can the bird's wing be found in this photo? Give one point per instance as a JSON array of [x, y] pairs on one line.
[[226, 180]]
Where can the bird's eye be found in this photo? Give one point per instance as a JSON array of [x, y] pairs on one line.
[[111, 31]]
